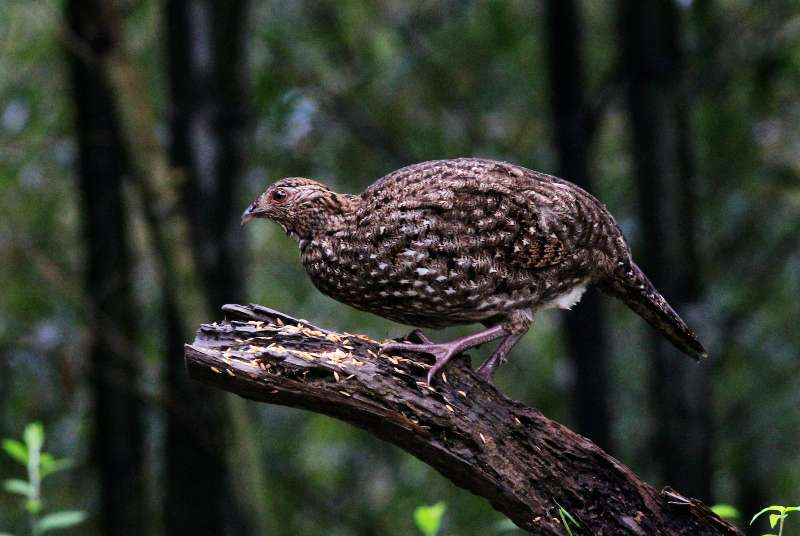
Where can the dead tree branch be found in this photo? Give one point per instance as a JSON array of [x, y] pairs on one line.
[[524, 464]]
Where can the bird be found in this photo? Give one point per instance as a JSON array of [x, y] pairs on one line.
[[464, 241]]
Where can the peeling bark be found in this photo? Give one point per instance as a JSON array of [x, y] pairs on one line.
[[524, 464]]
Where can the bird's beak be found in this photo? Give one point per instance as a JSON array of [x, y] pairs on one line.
[[252, 212]]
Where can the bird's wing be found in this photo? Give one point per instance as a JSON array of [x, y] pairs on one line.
[[524, 217], [542, 252]]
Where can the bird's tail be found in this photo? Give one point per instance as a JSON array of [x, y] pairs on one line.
[[631, 286]]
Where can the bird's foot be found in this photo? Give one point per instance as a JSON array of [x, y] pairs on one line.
[[486, 370], [417, 336], [442, 352], [498, 357]]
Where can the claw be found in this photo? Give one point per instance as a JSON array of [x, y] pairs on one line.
[[485, 374], [418, 336], [441, 361], [442, 353], [498, 357]]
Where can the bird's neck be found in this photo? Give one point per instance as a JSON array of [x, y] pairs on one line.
[[336, 215], [341, 212]]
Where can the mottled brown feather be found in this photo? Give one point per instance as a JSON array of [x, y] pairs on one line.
[[466, 240]]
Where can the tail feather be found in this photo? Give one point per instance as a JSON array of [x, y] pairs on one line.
[[634, 288]]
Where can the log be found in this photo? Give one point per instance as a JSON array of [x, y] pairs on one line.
[[524, 464]]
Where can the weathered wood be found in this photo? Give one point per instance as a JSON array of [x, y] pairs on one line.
[[525, 464]]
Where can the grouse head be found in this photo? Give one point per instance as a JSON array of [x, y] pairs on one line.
[[302, 207]]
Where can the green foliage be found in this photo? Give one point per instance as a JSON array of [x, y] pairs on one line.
[[20, 487], [16, 450], [726, 512], [778, 517], [567, 519], [59, 520], [429, 518], [505, 525], [438, 79], [38, 465]]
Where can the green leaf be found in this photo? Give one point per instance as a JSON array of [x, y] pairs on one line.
[[767, 509], [60, 520], [16, 450], [20, 487], [566, 519], [774, 518], [50, 465], [569, 517], [34, 436], [45, 459], [429, 518], [34, 506], [726, 511], [504, 525]]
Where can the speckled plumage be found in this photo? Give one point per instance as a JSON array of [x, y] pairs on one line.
[[461, 241]]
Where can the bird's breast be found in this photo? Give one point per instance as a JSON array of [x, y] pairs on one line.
[[424, 279]]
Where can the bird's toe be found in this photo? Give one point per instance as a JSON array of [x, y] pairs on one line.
[[442, 353], [417, 336]]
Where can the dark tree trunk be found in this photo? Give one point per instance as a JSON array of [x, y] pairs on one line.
[[586, 332], [717, 79], [206, 73], [661, 144], [205, 59], [118, 443]]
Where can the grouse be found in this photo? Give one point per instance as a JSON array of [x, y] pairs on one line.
[[464, 241]]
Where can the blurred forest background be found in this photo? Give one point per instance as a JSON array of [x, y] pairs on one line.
[[134, 133]]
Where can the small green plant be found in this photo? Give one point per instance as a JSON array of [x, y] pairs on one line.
[[726, 512], [778, 517], [39, 465], [567, 519], [429, 518]]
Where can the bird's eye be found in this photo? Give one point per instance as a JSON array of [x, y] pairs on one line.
[[278, 196]]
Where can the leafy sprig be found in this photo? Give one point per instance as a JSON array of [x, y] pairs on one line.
[[777, 517], [38, 465]]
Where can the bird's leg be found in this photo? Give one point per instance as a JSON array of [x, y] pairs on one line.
[[498, 357], [516, 325], [444, 351]]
